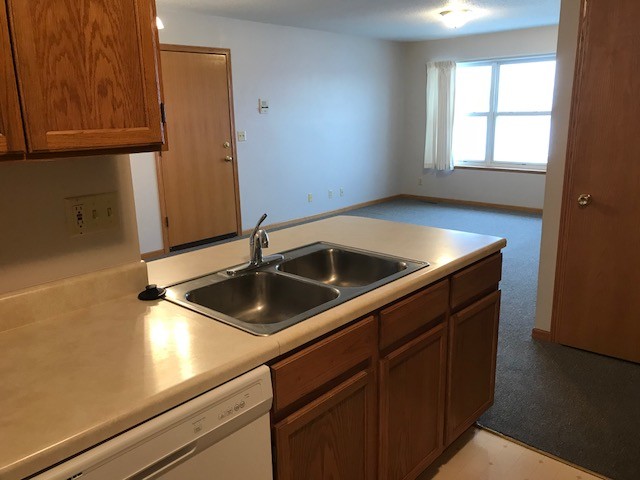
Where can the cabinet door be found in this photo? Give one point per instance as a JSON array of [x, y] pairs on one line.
[[412, 399], [11, 135], [331, 438], [473, 339], [88, 73]]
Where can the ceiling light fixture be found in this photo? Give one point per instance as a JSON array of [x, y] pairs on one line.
[[456, 18], [159, 23]]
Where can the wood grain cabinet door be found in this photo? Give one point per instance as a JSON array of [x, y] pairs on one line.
[[11, 134], [333, 437], [412, 400], [88, 73], [473, 340]]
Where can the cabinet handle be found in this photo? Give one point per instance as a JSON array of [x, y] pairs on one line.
[[228, 158]]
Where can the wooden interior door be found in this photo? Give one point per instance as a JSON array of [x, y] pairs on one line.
[[11, 135], [596, 304], [88, 73], [198, 171], [412, 399], [333, 437]]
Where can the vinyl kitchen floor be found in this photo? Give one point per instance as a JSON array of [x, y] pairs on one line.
[[481, 455]]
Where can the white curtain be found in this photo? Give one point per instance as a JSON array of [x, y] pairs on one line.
[[441, 79]]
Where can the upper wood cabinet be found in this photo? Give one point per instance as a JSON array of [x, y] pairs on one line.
[[88, 73], [11, 135]]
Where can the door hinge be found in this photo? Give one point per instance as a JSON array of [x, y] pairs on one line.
[[166, 222], [163, 114]]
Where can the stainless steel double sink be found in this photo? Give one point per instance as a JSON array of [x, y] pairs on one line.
[[307, 281]]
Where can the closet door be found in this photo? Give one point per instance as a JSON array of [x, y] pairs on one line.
[[596, 300], [11, 135]]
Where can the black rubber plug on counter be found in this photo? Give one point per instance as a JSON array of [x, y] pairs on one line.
[[152, 292]]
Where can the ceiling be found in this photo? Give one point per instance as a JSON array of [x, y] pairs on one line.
[[404, 20]]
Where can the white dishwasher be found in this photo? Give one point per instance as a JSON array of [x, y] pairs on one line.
[[223, 434]]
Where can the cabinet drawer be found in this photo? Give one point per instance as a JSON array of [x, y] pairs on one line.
[[414, 312], [475, 281], [311, 368]]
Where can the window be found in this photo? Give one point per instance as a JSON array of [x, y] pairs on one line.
[[503, 113]]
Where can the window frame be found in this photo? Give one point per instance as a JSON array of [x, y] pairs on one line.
[[493, 114]]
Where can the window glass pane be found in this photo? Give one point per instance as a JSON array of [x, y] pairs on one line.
[[522, 139], [469, 138], [526, 87], [473, 89]]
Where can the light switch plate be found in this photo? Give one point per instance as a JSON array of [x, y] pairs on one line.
[[263, 106]]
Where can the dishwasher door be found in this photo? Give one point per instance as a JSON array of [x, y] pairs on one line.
[[223, 434], [241, 456]]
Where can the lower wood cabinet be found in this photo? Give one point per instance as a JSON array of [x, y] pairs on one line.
[[382, 397], [473, 339], [333, 437], [325, 407], [412, 398]]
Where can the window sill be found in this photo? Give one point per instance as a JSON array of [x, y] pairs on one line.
[[502, 169]]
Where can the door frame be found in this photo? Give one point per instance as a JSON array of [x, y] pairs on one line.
[[159, 175], [567, 202]]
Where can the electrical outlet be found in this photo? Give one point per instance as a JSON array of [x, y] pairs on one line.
[[91, 213], [242, 136], [310, 197], [419, 180], [330, 194], [77, 217], [342, 191]]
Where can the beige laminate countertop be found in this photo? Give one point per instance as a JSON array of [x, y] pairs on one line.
[[79, 378]]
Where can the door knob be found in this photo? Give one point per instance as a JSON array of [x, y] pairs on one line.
[[584, 199], [228, 158], [226, 144]]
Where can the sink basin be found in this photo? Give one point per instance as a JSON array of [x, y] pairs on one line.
[[261, 297], [259, 302], [307, 281], [343, 268]]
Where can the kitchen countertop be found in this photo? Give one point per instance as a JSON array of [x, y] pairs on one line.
[[81, 377]]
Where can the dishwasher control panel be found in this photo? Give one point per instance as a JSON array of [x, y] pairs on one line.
[[227, 409]]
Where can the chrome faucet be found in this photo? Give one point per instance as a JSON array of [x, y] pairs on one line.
[[258, 240]]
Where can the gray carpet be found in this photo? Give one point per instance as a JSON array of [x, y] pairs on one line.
[[581, 407]]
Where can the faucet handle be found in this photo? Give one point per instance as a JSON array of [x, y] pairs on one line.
[[264, 238]]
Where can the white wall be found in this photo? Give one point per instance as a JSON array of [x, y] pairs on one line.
[[567, 44], [334, 118], [143, 176], [520, 189], [35, 246]]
